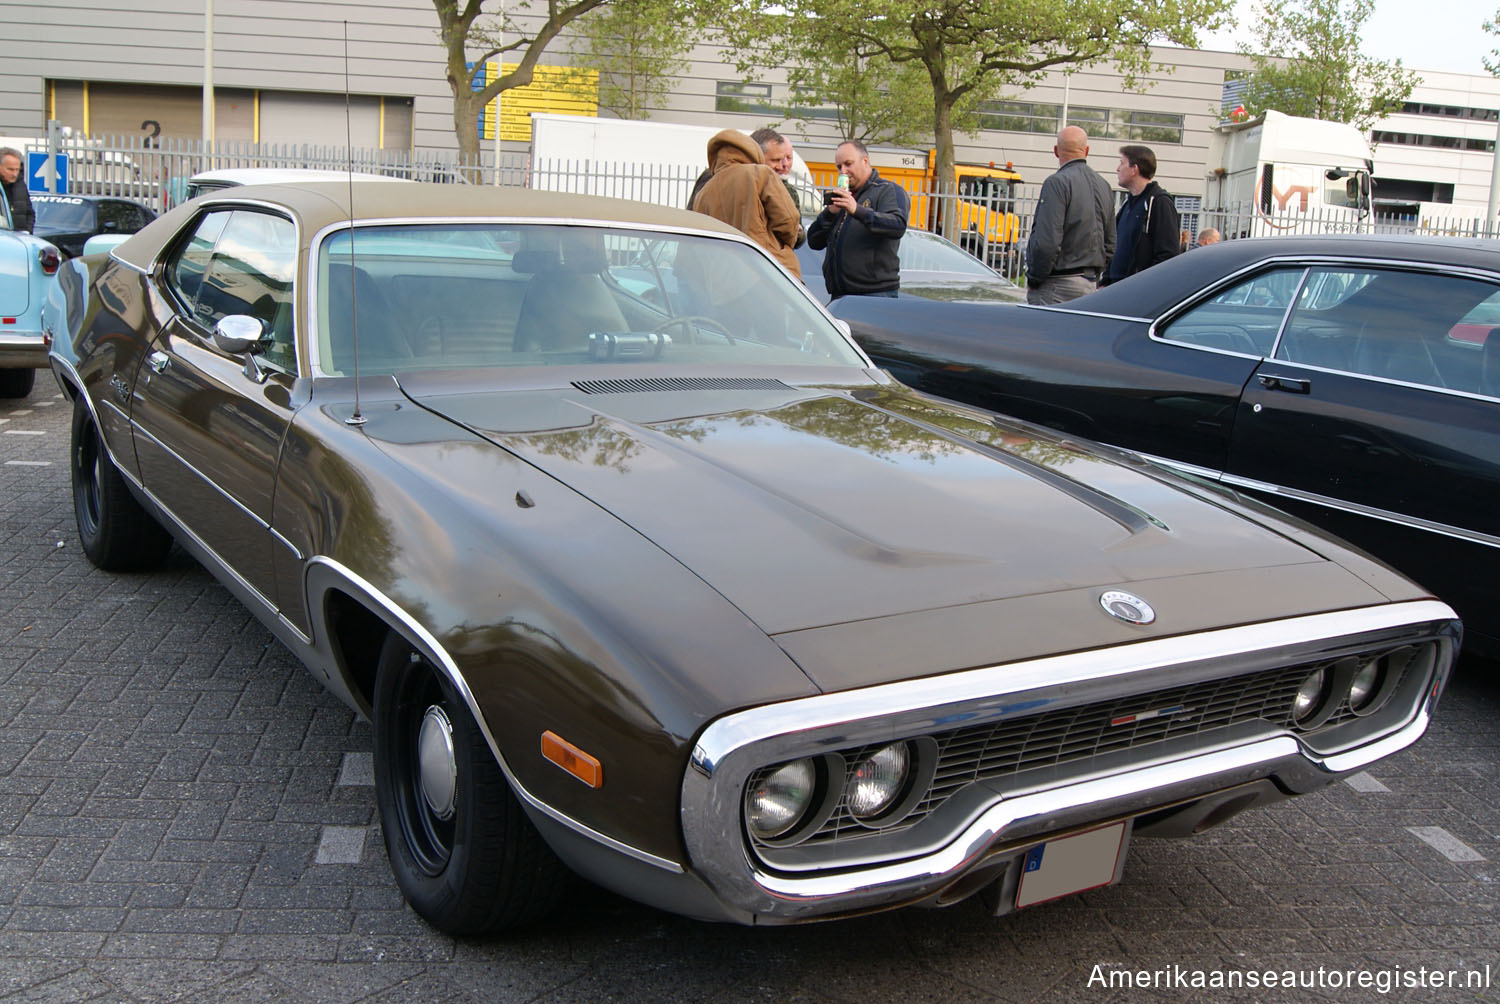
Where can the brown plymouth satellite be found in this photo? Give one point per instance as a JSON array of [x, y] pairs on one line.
[[640, 570]]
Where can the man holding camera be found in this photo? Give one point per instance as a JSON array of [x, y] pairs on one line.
[[860, 226]]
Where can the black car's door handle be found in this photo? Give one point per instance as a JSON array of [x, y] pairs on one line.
[[158, 361], [1292, 385]]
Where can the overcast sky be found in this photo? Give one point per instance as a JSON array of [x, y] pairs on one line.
[[1437, 35]]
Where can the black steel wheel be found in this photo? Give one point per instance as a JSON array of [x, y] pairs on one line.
[[117, 534], [463, 852], [16, 383]]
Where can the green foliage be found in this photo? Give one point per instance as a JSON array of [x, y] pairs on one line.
[[968, 50], [1307, 62], [1492, 61], [871, 98], [471, 35], [638, 47]]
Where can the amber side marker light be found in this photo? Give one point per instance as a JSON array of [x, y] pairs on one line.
[[572, 759]]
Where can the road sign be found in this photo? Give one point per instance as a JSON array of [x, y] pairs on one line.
[[38, 174]]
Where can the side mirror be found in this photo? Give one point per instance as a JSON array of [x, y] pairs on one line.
[[110, 225], [239, 333]]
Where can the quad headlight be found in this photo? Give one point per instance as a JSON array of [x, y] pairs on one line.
[[1311, 697], [878, 781], [781, 799], [1364, 685]]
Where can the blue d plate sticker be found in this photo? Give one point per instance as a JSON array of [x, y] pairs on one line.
[[1071, 865]]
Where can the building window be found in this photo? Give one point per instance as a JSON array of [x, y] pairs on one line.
[[1117, 123], [1020, 116], [743, 96], [1449, 111], [1443, 142]]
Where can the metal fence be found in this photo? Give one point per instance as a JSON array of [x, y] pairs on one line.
[[155, 172]]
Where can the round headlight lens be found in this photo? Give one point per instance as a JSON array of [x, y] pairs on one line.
[[1364, 686], [878, 781], [780, 799], [1309, 697]]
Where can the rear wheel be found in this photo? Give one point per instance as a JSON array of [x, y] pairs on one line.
[[462, 850], [116, 533], [16, 383]]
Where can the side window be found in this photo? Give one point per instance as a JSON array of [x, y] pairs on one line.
[[1243, 318], [187, 267], [251, 272], [114, 217], [1397, 325]]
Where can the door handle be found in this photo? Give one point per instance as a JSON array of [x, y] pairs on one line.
[[158, 361], [1292, 385]]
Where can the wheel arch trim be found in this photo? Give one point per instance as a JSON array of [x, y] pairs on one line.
[[323, 575]]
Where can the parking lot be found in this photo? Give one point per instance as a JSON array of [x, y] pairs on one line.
[[185, 816]]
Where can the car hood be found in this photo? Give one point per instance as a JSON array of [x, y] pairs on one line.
[[810, 507]]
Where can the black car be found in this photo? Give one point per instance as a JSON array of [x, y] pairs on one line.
[[70, 220], [932, 267], [1353, 380]]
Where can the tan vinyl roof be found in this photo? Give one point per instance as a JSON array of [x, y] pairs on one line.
[[320, 204]]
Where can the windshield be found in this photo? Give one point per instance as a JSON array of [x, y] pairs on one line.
[[445, 296], [920, 251], [60, 214]]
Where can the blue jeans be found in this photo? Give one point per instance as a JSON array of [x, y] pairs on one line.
[[884, 292]]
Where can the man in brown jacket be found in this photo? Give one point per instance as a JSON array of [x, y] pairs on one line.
[[749, 196]]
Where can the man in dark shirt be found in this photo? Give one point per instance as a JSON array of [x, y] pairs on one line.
[[1073, 232], [1146, 227], [861, 227], [11, 178]]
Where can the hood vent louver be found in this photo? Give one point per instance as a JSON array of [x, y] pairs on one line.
[[641, 385]]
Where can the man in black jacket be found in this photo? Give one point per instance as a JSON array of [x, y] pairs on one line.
[[1146, 227], [861, 226], [11, 178], [1073, 232]]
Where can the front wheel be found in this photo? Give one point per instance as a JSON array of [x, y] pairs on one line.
[[463, 852], [117, 534]]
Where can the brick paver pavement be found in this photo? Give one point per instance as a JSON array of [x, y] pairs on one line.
[[186, 816]]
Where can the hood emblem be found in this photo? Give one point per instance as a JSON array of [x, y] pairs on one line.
[[1127, 607]]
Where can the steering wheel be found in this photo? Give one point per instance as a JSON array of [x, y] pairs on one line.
[[690, 324]]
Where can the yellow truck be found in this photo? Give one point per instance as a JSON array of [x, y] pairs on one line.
[[978, 212]]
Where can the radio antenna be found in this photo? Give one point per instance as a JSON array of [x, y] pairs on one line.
[[358, 417]]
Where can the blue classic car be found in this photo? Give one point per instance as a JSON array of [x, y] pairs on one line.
[[27, 265]]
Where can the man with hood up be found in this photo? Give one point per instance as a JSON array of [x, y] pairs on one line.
[[750, 197]]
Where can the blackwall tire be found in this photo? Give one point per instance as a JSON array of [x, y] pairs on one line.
[[116, 533], [480, 866], [16, 383]]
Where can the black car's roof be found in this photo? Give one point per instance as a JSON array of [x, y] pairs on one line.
[[1149, 293]]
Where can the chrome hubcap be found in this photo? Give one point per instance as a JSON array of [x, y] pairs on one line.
[[437, 768]]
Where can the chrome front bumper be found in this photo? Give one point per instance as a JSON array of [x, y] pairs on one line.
[[731, 748]]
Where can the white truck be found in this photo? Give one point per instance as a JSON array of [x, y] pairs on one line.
[[1277, 174], [647, 161]]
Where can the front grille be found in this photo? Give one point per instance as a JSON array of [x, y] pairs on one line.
[[1088, 735]]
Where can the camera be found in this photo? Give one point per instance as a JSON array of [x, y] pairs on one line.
[[843, 182]]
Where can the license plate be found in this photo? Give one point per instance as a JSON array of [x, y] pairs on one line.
[[1071, 865]]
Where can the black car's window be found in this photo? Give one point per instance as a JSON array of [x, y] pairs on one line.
[[459, 296], [116, 217], [1398, 325], [62, 214], [1243, 318], [186, 269]]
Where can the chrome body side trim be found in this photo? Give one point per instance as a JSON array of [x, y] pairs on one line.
[[1385, 515], [1057, 308], [317, 585], [733, 747]]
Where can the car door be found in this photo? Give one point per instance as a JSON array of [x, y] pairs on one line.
[[1376, 416], [209, 424]]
